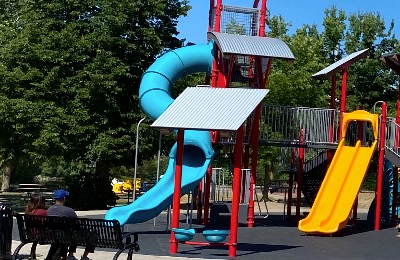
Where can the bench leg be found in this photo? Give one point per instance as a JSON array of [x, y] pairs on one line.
[[117, 254], [16, 252], [130, 253], [33, 250]]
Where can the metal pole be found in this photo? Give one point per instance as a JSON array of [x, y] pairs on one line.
[[177, 191], [382, 138], [136, 158], [236, 192], [158, 167], [343, 100]]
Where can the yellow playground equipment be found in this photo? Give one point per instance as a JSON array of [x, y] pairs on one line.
[[332, 206], [127, 185]]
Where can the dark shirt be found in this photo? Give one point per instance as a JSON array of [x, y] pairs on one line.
[[61, 211]]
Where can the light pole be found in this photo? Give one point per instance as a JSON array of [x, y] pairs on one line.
[[136, 158]]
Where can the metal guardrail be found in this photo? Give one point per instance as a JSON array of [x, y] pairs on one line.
[[392, 141], [281, 125]]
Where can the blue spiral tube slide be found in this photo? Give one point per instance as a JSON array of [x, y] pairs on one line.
[[154, 99]]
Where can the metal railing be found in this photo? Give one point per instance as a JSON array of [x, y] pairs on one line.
[[281, 125], [393, 136]]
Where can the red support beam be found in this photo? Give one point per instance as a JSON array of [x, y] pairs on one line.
[[237, 171], [343, 100], [331, 127], [300, 176], [207, 195], [395, 169], [263, 17], [290, 184], [210, 17], [199, 203], [379, 180], [177, 191]]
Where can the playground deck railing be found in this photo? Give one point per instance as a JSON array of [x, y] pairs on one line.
[[392, 141], [282, 126]]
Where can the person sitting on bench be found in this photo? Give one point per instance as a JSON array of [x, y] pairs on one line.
[[60, 210]]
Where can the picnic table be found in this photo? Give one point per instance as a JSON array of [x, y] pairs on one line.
[[30, 188]]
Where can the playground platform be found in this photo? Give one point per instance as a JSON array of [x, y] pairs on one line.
[[272, 238]]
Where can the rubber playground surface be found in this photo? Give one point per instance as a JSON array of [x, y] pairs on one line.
[[272, 238]]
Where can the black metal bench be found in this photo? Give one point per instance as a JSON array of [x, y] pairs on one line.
[[74, 231]]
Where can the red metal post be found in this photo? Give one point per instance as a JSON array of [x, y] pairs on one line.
[[331, 126], [396, 169], [343, 100], [263, 17], [246, 157], [382, 138], [217, 28], [210, 17], [236, 192], [177, 190], [199, 203], [290, 184], [254, 141], [300, 175], [207, 195]]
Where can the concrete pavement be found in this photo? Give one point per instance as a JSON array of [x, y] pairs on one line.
[[159, 240]]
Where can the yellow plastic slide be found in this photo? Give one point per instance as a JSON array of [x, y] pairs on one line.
[[342, 182]]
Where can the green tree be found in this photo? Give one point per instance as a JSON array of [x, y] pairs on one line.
[[69, 75], [291, 83], [370, 80], [233, 27]]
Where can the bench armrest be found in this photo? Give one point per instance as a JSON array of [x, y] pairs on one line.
[[127, 235]]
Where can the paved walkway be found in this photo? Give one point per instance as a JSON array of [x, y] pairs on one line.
[[272, 239]]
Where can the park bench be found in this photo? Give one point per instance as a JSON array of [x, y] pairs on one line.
[[74, 231]]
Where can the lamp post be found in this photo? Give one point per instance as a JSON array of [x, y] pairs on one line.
[[136, 158]]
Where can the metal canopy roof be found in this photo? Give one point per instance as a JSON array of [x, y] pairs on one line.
[[392, 60], [251, 45], [206, 108], [340, 64]]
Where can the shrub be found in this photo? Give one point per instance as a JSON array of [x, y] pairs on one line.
[[90, 191]]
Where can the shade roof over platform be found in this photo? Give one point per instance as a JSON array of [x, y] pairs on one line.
[[392, 60], [251, 45], [206, 108], [340, 64]]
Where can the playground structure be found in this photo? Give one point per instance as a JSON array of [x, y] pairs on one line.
[[239, 66]]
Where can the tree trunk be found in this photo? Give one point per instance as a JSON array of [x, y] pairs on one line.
[[103, 169], [7, 170], [268, 176]]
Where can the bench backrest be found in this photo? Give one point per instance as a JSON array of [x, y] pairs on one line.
[[78, 231]]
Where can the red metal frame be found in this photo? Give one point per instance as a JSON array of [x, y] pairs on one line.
[[262, 82], [207, 195], [343, 99], [300, 171], [177, 190], [331, 127], [395, 169], [379, 180], [237, 171]]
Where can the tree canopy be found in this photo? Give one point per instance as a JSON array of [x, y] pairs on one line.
[[70, 72]]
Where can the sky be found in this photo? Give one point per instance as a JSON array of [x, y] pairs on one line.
[[298, 12]]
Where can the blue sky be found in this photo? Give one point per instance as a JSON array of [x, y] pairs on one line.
[[298, 12]]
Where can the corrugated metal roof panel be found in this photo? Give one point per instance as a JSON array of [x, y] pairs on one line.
[[211, 108], [251, 45], [337, 66]]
